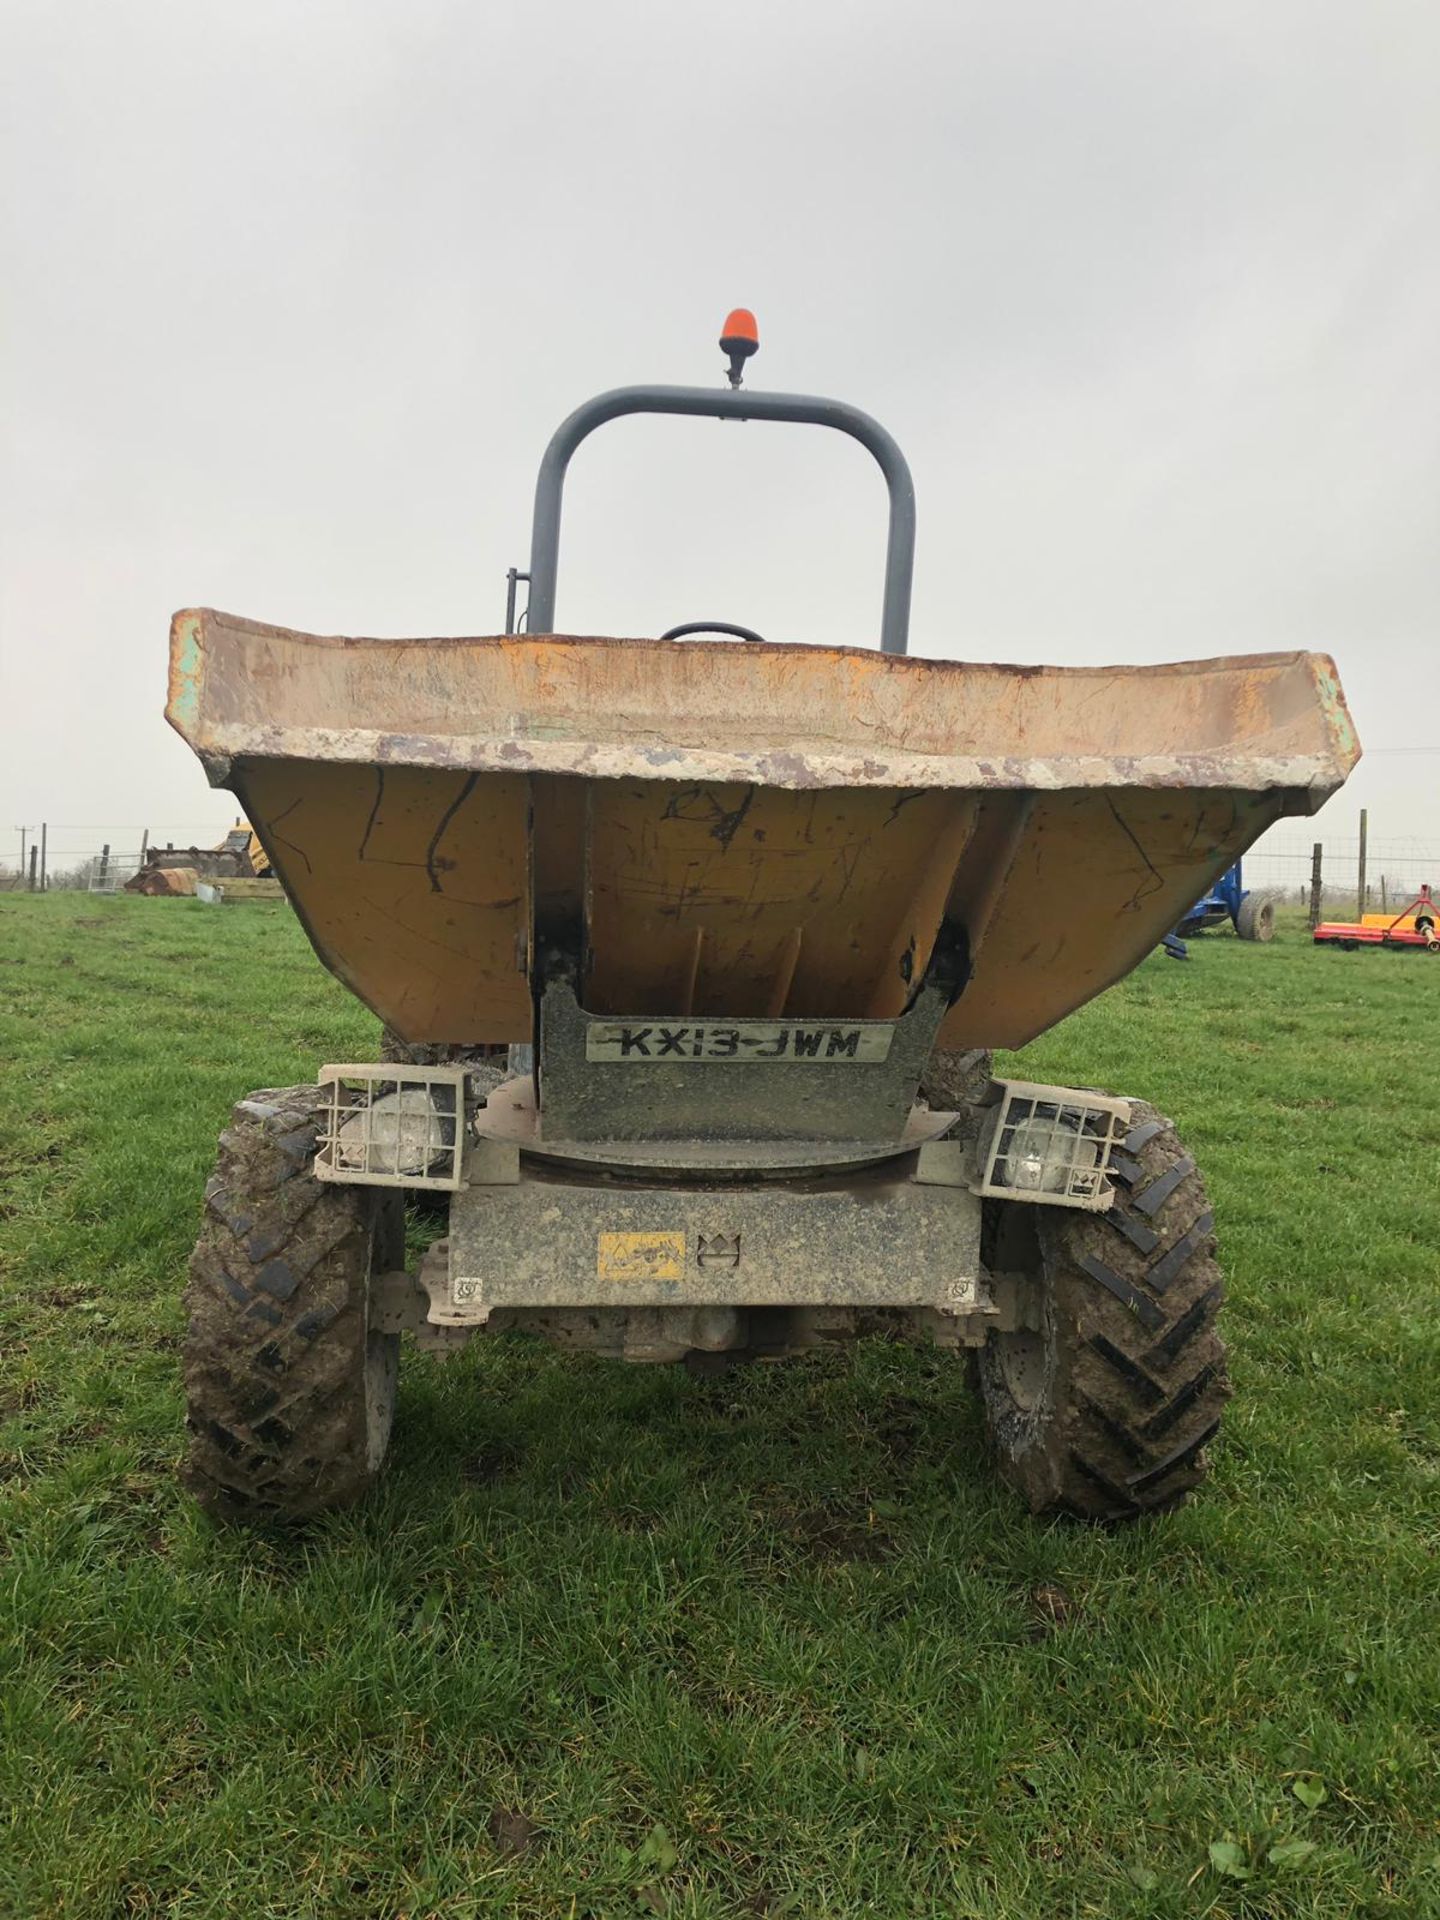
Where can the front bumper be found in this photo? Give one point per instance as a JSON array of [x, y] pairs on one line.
[[904, 1234]]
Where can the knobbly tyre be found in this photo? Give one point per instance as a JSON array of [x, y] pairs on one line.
[[690, 953]]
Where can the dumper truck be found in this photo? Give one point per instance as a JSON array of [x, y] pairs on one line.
[[692, 950]]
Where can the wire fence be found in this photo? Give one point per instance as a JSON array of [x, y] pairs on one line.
[[1395, 870], [63, 858], [74, 869], [1279, 863]]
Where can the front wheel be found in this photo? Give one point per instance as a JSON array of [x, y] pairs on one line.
[[1103, 1407], [290, 1389]]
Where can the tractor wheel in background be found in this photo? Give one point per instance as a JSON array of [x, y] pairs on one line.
[[290, 1391], [1105, 1411], [1256, 917], [952, 1079]]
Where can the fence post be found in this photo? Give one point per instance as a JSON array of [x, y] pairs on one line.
[[44, 874], [34, 856], [1384, 903], [144, 844], [1315, 858], [1360, 877], [104, 864]]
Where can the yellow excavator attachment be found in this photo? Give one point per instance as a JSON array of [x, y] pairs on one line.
[[728, 830]]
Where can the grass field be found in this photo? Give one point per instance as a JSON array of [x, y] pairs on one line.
[[614, 1641]]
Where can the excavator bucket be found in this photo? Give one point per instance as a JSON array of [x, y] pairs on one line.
[[723, 830]]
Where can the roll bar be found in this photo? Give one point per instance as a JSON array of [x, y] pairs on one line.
[[705, 402]]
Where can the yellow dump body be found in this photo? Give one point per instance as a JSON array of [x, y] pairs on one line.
[[735, 829]]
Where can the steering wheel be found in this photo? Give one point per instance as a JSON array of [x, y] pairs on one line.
[[714, 626]]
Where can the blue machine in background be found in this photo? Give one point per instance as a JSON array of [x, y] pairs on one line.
[[1251, 914]]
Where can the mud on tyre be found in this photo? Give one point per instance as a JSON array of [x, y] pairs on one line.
[[290, 1390], [1105, 1408]]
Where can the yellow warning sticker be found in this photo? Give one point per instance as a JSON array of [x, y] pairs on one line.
[[640, 1256]]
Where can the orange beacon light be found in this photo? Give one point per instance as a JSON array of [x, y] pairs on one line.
[[739, 337]]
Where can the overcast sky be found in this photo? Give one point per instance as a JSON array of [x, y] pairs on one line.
[[295, 294]]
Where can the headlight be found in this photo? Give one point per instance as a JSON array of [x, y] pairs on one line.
[[1047, 1153], [1050, 1144], [387, 1125], [401, 1134]]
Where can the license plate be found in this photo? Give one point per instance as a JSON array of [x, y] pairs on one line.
[[844, 1043]]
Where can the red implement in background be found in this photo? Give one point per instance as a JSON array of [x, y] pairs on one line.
[[1413, 927]]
